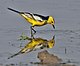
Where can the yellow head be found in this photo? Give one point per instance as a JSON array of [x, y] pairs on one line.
[[51, 21], [51, 42]]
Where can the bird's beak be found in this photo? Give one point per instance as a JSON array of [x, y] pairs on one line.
[[53, 26]]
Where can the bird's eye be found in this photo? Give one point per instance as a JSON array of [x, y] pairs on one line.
[[52, 42]]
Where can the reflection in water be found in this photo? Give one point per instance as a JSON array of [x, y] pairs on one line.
[[35, 44]]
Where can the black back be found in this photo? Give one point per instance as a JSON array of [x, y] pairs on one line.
[[42, 17]]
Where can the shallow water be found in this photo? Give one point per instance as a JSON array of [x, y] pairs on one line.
[[63, 39], [67, 32]]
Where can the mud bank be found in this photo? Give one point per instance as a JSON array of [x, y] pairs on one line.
[[47, 59]]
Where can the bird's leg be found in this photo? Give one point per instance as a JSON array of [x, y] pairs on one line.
[[32, 32]]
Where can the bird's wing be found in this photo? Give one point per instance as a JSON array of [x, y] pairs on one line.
[[28, 14], [38, 18]]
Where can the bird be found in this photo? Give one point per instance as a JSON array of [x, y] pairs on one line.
[[35, 44], [35, 19]]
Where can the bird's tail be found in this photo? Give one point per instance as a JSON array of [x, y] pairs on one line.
[[14, 10], [14, 55]]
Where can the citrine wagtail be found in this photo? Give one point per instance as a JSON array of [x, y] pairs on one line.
[[35, 19]]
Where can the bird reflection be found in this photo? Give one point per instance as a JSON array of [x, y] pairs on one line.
[[35, 44]]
